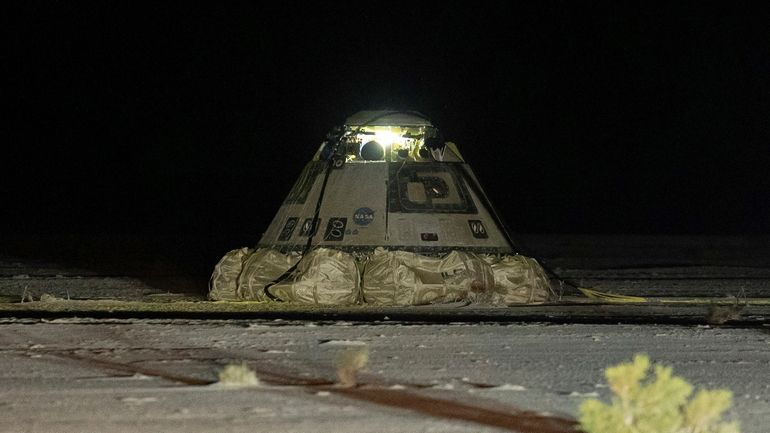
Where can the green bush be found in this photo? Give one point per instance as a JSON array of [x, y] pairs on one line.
[[658, 405]]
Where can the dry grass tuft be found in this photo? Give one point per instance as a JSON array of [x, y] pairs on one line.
[[45, 297], [237, 375], [348, 364], [719, 314]]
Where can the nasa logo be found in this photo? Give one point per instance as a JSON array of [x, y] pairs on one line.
[[363, 216], [477, 229]]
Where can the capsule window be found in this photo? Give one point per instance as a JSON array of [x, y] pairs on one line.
[[425, 187]]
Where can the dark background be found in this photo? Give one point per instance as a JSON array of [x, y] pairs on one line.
[[183, 121]]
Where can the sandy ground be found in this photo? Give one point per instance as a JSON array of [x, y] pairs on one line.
[[83, 375], [468, 371]]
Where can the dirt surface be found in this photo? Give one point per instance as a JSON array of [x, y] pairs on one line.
[[159, 375]]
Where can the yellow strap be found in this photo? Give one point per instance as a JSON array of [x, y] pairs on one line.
[[238, 302], [610, 297]]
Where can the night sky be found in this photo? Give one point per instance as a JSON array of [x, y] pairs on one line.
[[178, 119]]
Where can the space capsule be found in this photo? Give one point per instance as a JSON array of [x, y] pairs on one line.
[[387, 179], [385, 213]]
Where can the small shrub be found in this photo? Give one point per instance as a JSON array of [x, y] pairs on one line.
[[658, 405], [348, 364], [237, 375]]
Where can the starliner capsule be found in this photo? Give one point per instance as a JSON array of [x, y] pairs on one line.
[[392, 182], [386, 213]]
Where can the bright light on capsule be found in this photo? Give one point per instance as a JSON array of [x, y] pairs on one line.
[[386, 138]]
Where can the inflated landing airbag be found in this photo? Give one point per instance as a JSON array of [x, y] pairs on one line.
[[332, 277]]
